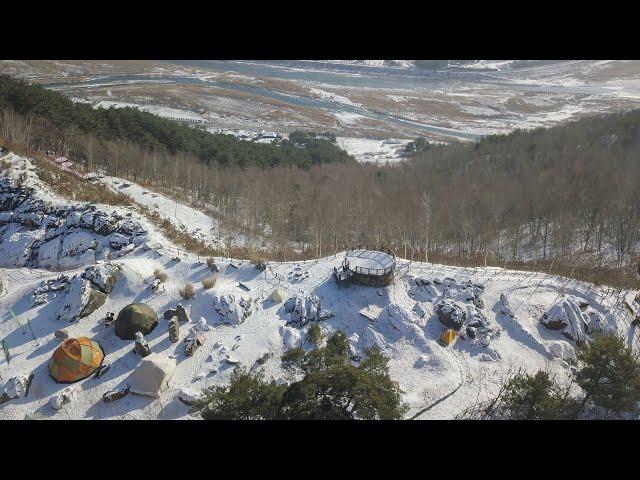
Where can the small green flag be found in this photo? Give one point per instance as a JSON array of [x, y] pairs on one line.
[[31, 330], [6, 351], [15, 318]]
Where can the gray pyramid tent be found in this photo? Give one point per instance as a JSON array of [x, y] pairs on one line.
[[135, 317]]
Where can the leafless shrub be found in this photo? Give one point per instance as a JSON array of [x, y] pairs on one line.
[[188, 291], [160, 274], [208, 282]]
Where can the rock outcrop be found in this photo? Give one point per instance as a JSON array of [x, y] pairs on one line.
[[232, 310], [303, 309]]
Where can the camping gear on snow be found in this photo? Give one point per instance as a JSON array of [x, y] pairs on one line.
[[75, 359], [448, 337], [63, 397], [141, 346], [155, 285], [135, 317], [109, 319], [62, 334], [113, 395], [152, 375], [278, 295], [174, 330], [100, 371]]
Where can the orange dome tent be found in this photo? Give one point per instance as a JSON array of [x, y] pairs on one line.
[[75, 359]]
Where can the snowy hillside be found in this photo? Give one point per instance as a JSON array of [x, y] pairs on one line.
[[65, 265]]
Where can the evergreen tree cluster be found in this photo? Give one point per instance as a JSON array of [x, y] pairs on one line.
[[332, 388], [604, 385], [150, 131]]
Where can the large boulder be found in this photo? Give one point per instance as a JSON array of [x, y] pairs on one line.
[[504, 307], [566, 316], [473, 292], [80, 300], [49, 252], [278, 295], [76, 243], [16, 387], [104, 224], [135, 317], [563, 350], [451, 314], [596, 323], [174, 330], [102, 276], [232, 310], [303, 309], [396, 322], [118, 241]]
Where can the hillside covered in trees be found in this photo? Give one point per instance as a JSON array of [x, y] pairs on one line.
[[52, 112]]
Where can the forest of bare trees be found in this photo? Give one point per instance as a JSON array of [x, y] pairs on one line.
[[569, 194]]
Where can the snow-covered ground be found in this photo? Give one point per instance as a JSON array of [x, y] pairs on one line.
[[198, 224], [406, 324], [165, 112], [375, 151]]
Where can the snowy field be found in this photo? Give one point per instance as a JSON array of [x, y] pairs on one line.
[[373, 151], [198, 224], [509, 335]]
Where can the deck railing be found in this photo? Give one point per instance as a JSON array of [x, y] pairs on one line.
[[375, 271]]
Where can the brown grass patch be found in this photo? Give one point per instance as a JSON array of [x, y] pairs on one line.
[[160, 275], [188, 291], [208, 282]]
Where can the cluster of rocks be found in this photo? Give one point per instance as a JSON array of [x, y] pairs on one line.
[[16, 387], [63, 397], [82, 294], [52, 285], [468, 320], [303, 309], [40, 234], [232, 310], [297, 274], [102, 276], [466, 291], [575, 319], [80, 300], [459, 306]]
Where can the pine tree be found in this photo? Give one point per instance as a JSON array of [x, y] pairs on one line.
[[609, 375]]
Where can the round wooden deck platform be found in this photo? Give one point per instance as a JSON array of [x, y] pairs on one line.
[[367, 267]]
